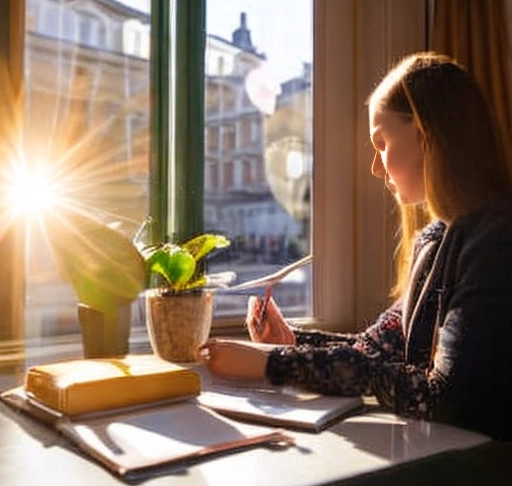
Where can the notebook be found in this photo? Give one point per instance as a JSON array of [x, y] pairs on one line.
[[132, 443], [286, 407]]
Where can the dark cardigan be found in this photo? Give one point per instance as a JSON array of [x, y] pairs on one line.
[[472, 278], [443, 353]]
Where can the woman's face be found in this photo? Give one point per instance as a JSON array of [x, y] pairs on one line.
[[399, 158]]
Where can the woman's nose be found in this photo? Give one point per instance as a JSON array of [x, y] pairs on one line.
[[378, 169]]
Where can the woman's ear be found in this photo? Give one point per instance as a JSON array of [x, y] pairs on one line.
[[378, 169]]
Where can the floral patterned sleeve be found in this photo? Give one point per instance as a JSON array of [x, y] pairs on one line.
[[322, 338], [370, 362], [338, 363]]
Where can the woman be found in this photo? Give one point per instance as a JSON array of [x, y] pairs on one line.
[[443, 350]]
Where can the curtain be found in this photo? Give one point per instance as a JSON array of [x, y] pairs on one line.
[[475, 33]]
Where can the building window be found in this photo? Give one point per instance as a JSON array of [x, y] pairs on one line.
[[211, 180], [260, 175], [228, 173], [135, 38], [247, 178], [212, 98], [228, 99], [212, 138], [246, 129], [228, 138], [220, 65], [51, 20], [91, 31], [68, 29], [33, 17]]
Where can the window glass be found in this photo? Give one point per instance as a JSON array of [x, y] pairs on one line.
[[258, 94], [87, 127], [87, 121]]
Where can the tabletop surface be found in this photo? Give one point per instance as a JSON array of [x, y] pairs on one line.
[[33, 454]]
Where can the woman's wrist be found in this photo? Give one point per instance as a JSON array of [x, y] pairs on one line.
[[236, 359]]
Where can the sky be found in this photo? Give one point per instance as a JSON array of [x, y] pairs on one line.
[[279, 28]]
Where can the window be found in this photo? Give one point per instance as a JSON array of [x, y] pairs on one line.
[[68, 30], [263, 56], [247, 178], [51, 20], [87, 116], [135, 37], [91, 30], [228, 99], [349, 232], [228, 138], [211, 185], [246, 136], [212, 98], [228, 169], [85, 28], [212, 138], [33, 17], [220, 65]]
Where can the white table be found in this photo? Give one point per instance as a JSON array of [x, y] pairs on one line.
[[32, 454]]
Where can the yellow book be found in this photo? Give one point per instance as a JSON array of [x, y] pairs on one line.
[[94, 385]]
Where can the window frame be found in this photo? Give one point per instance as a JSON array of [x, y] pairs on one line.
[[352, 266], [12, 252]]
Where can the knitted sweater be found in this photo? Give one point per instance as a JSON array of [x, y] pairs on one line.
[[444, 351]]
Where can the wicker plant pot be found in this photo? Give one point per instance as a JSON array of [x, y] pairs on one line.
[[104, 335], [178, 323]]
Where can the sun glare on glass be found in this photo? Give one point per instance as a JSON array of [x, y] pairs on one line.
[[32, 191]]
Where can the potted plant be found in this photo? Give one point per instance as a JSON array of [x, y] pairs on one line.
[[107, 273], [179, 297]]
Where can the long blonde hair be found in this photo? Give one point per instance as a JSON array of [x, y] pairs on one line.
[[465, 165]]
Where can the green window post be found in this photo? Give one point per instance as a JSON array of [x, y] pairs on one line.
[[177, 118]]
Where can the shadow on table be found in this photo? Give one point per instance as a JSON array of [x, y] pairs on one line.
[[434, 454], [483, 465]]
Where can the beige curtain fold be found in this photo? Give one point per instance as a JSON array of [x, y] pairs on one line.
[[475, 33]]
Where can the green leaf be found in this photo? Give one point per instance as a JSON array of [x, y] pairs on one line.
[[200, 281], [176, 265], [201, 245], [103, 266]]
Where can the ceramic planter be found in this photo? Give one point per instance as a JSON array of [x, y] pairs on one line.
[[104, 335], [178, 323]]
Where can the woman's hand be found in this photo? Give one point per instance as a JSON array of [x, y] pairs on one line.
[[240, 360], [266, 323]]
